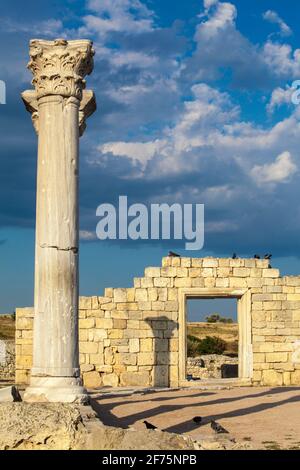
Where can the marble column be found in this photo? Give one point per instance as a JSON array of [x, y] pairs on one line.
[[59, 105]]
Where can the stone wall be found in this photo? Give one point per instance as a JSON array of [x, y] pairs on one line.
[[7, 360], [130, 336]]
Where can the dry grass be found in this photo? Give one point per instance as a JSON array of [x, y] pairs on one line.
[[7, 326], [228, 332]]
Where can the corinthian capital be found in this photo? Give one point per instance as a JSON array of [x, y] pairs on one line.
[[59, 66]]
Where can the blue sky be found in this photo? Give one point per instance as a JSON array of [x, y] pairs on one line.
[[194, 105]]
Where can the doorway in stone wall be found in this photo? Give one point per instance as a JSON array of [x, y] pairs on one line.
[[214, 336]]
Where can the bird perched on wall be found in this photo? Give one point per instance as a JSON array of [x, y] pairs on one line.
[[234, 256], [174, 255], [197, 419], [218, 428], [149, 425], [256, 257], [268, 256]]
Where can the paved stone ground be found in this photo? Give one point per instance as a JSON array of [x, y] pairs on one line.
[[266, 418]]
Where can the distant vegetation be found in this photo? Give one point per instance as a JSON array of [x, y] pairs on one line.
[[7, 326], [216, 318], [207, 345]]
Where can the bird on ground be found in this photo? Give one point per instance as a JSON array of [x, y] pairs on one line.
[[268, 256], [149, 425], [256, 257], [197, 419], [171, 253], [234, 256], [218, 428]]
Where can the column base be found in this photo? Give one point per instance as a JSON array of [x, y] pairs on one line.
[[56, 389]]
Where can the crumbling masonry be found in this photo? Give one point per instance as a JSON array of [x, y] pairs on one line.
[[136, 336]]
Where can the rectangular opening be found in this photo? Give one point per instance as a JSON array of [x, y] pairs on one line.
[[238, 309], [212, 339]]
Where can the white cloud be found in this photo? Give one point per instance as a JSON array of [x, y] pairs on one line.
[[273, 17], [87, 235], [279, 171], [119, 16], [279, 97]]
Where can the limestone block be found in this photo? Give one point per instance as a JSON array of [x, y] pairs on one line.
[[130, 294], [296, 352], [185, 262], [110, 380], [168, 272], [254, 282], [166, 262], [241, 272], [173, 345], [141, 295], [262, 263], [250, 263], [173, 375], [162, 295], [146, 282], [137, 282], [238, 282], [97, 359], [127, 306], [109, 356], [88, 347], [276, 357], [115, 334], [161, 345], [99, 334], [106, 369], [133, 324], [293, 281], [286, 378], [108, 307], [236, 263], [182, 272], [255, 272], [120, 295], [160, 376], [146, 359], [158, 306], [24, 362], [210, 282], [87, 367], [196, 262], [134, 345], [109, 292], [257, 375], [224, 272], [162, 358], [22, 376], [274, 305], [171, 306], [153, 294], [296, 315], [272, 378], [183, 282], [172, 294], [258, 357], [86, 323], [152, 272], [162, 282], [293, 297], [198, 282], [273, 273], [119, 315], [94, 313], [146, 344], [210, 263], [119, 324], [175, 261], [85, 303], [222, 282], [104, 323], [194, 272], [24, 323], [128, 359], [135, 315], [295, 377], [135, 379]]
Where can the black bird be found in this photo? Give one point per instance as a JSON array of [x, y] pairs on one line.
[[149, 425], [268, 256], [175, 255], [234, 256], [197, 419], [256, 257], [218, 428]]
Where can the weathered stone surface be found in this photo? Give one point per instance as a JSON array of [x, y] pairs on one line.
[[92, 379], [135, 379]]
